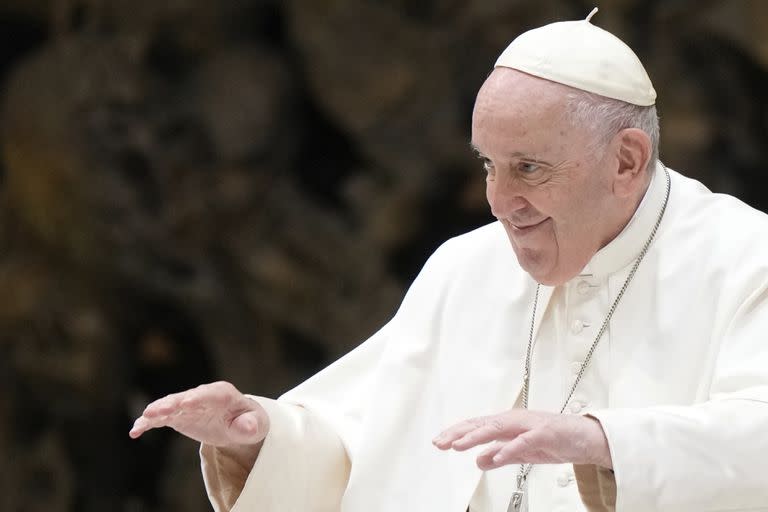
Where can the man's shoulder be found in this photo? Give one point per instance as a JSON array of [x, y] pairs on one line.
[[715, 214], [714, 227]]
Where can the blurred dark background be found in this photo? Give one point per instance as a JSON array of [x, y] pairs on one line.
[[242, 189]]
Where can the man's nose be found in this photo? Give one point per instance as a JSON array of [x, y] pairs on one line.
[[504, 198]]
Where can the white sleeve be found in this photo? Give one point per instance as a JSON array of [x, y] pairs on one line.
[[305, 461], [302, 466], [707, 457]]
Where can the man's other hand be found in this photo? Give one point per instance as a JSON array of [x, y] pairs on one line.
[[216, 414], [519, 436]]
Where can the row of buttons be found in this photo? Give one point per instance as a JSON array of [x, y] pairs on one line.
[[578, 325], [576, 406]]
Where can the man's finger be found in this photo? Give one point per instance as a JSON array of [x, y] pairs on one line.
[[164, 406], [517, 451], [249, 428], [485, 458], [140, 426], [494, 429], [446, 438]]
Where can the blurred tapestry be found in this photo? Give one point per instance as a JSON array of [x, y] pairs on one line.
[[242, 190]]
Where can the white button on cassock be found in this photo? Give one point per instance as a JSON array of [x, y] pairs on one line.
[[577, 326], [576, 406], [575, 367], [583, 287], [563, 480]]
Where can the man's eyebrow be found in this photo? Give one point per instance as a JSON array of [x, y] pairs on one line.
[[515, 154], [527, 157]]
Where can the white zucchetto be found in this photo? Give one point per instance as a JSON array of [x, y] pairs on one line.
[[581, 55]]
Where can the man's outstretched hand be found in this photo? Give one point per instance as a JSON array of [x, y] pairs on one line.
[[216, 414], [519, 436]]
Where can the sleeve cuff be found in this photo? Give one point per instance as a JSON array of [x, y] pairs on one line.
[[302, 465]]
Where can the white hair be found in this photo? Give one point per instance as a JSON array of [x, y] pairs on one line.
[[605, 117]]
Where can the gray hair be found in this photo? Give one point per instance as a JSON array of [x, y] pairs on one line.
[[605, 117]]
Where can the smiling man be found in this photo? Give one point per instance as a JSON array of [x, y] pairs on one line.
[[614, 359]]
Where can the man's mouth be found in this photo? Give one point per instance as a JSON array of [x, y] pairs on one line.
[[525, 228]]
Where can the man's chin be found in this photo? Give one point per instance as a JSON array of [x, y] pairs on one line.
[[548, 276], [548, 280], [540, 269], [534, 263]]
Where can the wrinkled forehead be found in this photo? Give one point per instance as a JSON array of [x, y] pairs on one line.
[[508, 91]]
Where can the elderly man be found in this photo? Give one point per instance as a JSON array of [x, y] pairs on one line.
[[626, 341]]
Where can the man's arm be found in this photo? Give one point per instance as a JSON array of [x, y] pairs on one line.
[[257, 454], [705, 457], [708, 457]]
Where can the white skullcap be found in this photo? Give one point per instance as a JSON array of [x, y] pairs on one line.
[[581, 55]]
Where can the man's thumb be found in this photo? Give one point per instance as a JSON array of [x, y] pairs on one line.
[[250, 427]]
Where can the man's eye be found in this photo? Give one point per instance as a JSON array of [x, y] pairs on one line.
[[528, 168], [487, 165]]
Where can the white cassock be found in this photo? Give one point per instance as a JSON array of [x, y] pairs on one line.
[[679, 381]]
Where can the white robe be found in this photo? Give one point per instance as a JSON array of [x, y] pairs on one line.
[[679, 382]]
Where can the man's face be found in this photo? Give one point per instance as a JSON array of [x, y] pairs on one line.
[[553, 197]]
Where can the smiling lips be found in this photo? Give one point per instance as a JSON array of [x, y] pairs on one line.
[[525, 229]]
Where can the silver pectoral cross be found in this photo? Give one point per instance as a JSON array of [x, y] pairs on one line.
[[516, 503]]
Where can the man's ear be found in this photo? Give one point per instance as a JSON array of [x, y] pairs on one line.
[[633, 152]]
